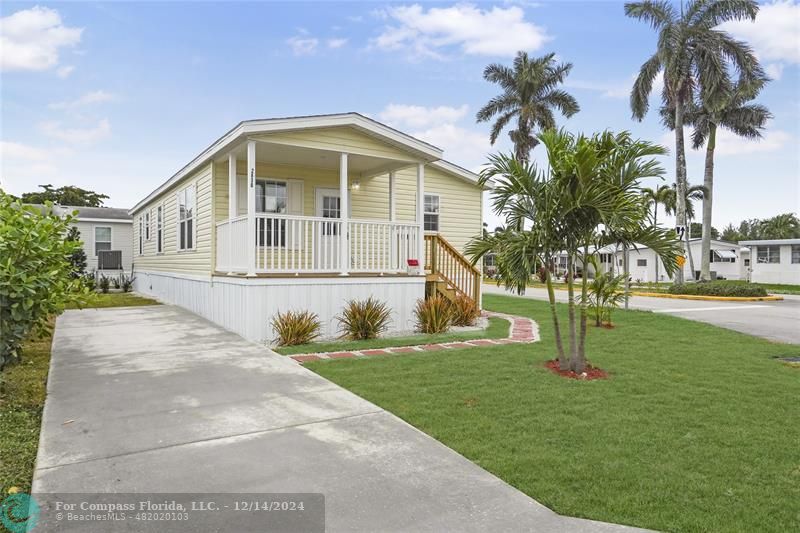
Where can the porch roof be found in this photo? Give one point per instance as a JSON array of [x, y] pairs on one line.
[[418, 149]]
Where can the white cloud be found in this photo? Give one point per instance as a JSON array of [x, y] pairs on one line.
[[492, 32], [71, 135], [337, 43], [303, 45], [93, 97], [12, 150], [31, 39], [775, 34], [65, 71], [415, 116], [774, 70]]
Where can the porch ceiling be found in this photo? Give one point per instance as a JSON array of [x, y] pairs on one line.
[[280, 154]]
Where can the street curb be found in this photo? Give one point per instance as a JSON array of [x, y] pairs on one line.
[[709, 298]]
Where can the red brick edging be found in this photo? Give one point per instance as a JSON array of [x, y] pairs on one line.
[[522, 330]]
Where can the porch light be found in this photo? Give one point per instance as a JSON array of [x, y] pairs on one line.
[[356, 185]]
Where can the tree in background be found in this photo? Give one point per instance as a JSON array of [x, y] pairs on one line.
[[653, 198], [67, 195], [78, 256], [696, 231], [588, 198], [530, 95], [36, 279], [783, 226], [691, 53]]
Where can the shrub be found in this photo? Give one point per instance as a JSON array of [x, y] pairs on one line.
[[115, 282], [36, 280], [295, 327], [541, 273], [433, 315], [363, 319], [719, 288], [78, 256], [89, 281], [126, 282], [104, 284], [465, 311]]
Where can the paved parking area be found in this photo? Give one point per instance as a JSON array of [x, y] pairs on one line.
[[157, 399], [776, 321]]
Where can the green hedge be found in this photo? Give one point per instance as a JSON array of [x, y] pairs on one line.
[[719, 288]]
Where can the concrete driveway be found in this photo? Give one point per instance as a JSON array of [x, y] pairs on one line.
[[776, 321], [156, 399]]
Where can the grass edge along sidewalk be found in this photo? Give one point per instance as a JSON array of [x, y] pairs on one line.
[[23, 390]]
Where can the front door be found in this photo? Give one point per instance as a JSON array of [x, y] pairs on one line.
[[328, 205]]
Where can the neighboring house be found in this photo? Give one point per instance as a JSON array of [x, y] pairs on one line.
[[772, 261], [307, 213], [103, 229]]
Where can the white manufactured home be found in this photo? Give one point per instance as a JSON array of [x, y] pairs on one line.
[[305, 213], [773, 261]]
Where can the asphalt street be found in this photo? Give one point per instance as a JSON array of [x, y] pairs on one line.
[[777, 321]]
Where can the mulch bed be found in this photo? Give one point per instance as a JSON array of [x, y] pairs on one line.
[[592, 372]]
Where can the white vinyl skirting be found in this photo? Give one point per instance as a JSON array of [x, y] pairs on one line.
[[246, 305]]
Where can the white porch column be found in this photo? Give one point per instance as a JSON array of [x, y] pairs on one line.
[[421, 213], [251, 208], [232, 207], [344, 215], [392, 217]]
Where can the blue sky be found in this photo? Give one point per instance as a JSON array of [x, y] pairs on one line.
[[115, 97]]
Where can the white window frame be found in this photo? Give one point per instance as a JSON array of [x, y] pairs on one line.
[[178, 220], [147, 226], [639, 262], [94, 237], [141, 236], [794, 252], [437, 214], [769, 255], [160, 228]]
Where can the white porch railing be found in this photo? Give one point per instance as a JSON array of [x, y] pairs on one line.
[[287, 244]]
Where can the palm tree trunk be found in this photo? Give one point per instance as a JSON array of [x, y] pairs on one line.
[[708, 183], [655, 224], [689, 250], [580, 363], [563, 364], [680, 173], [573, 340]]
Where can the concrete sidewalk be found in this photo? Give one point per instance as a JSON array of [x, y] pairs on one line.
[[156, 399]]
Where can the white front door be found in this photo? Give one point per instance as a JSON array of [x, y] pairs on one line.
[[328, 205]]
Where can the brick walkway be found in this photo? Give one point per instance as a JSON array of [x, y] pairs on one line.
[[522, 330]]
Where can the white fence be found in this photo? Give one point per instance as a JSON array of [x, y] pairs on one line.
[[299, 244]]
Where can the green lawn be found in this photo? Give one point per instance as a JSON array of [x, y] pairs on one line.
[[696, 430], [22, 394], [498, 329]]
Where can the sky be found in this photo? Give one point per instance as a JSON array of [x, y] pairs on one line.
[[116, 96]]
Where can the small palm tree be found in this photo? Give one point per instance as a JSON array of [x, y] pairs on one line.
[[530, 95], [692, 53]]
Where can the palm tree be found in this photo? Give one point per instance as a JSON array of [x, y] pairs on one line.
[[691, 52], [591, 182], [785, 226], [729, 109], [531, 95], [654, 197], [694, 192]]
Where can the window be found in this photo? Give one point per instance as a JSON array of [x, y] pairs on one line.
[[795, 254], [271, 197], [768, 254], [431, 212], [606, 258], [159, 229], [722, 256], [186, 214], [331, 208], [102, 239], [619, 262], [147, 225], [641, 262]]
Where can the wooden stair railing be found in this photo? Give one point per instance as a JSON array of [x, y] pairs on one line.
[[450, 272]]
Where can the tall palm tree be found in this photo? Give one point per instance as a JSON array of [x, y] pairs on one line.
[[729, 110], [655, 197], [693, 193], [530, 95], [692, 53]]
